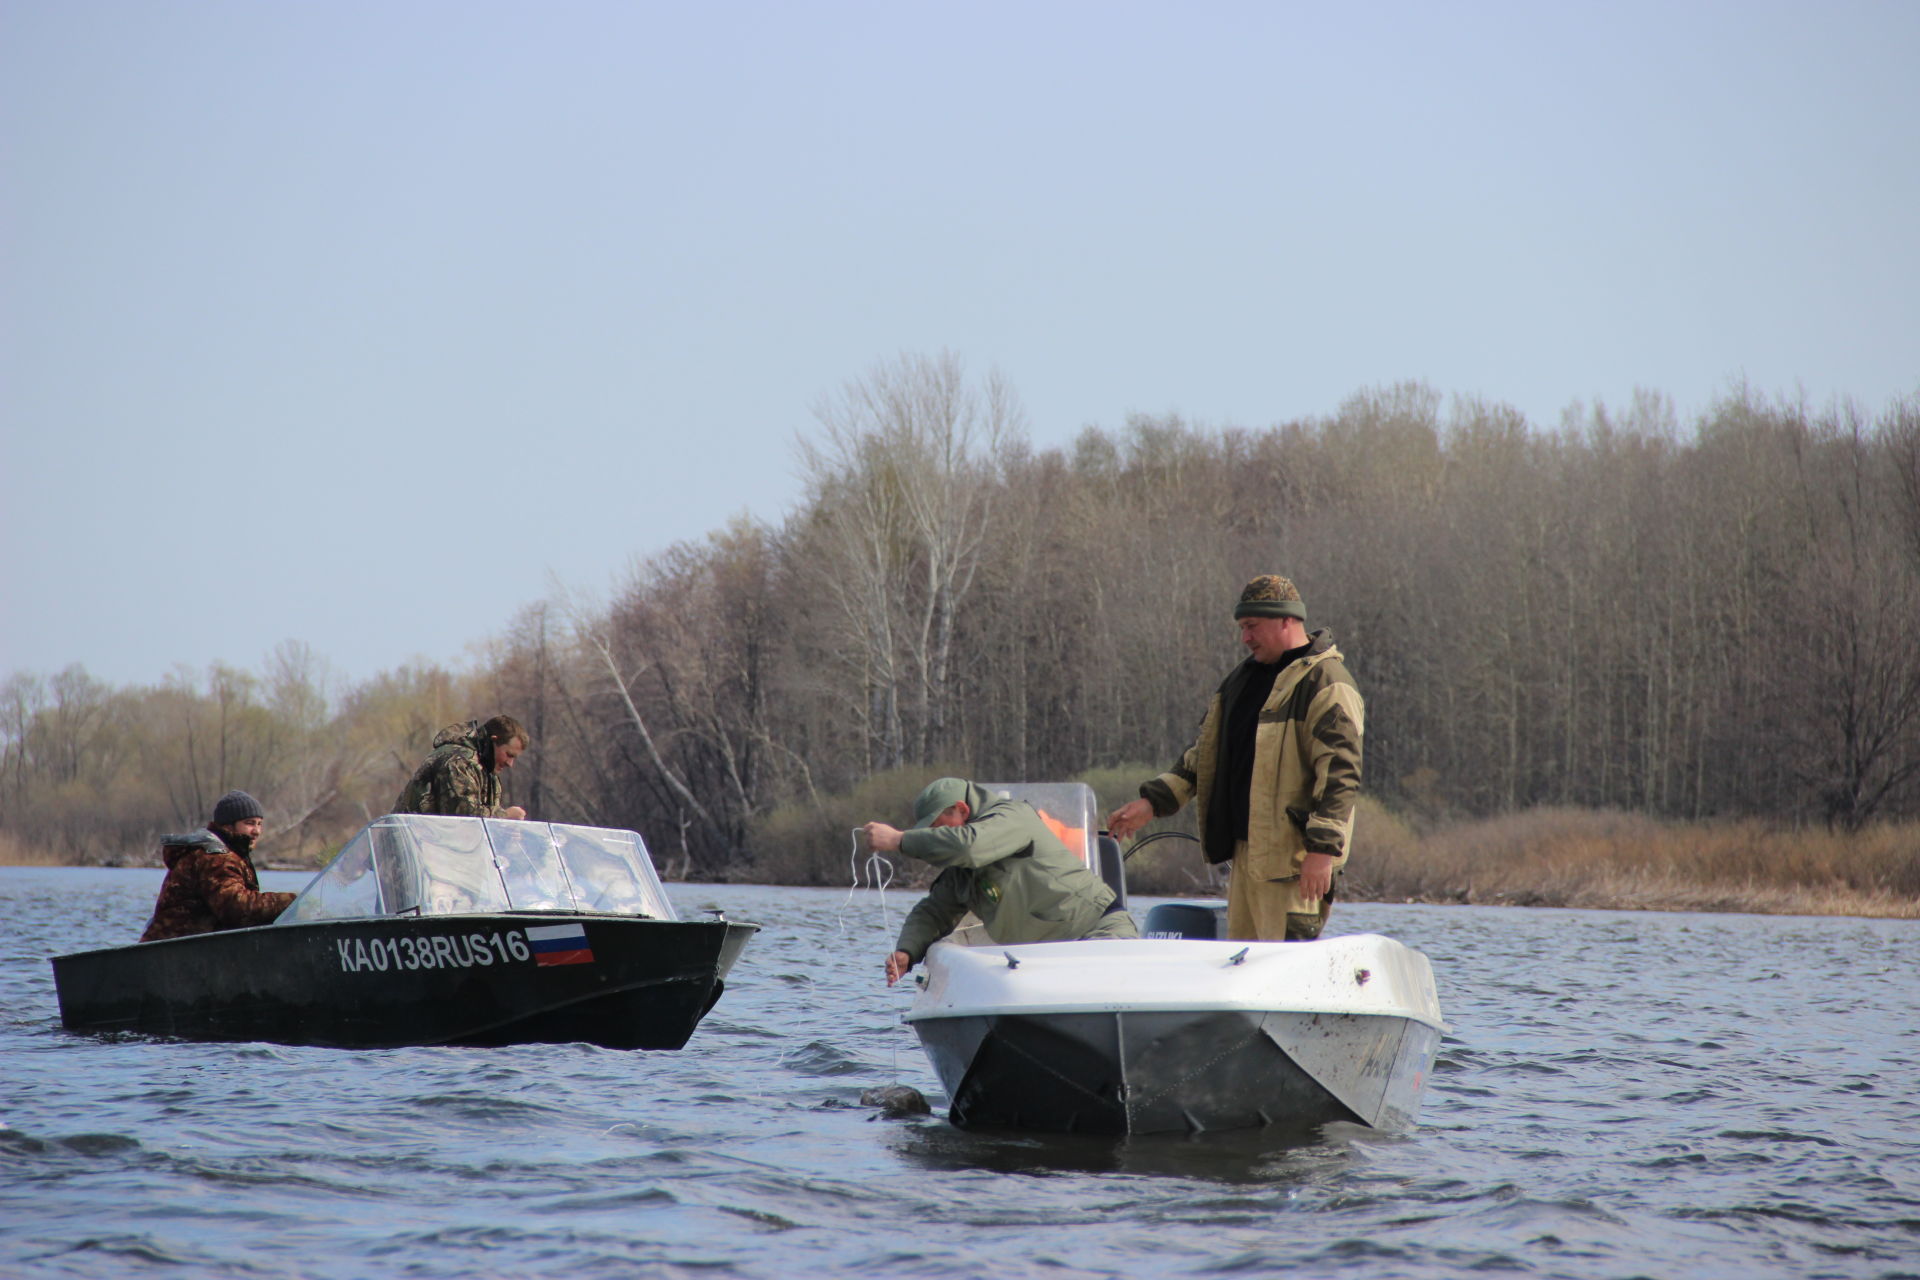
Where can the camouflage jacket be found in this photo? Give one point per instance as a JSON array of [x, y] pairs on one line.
[[1008, 869], [452, 781], [1306, 765], [208, 887]]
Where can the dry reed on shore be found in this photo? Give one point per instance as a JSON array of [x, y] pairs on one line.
[[1609, 859], [13, 853], [1598, 859]]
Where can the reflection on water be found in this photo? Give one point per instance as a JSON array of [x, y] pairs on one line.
[[1263, 1156], [1623, 1094]]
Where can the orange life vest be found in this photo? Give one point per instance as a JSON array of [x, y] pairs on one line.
[[1075, 838]]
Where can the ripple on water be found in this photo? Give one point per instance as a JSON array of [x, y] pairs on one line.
[[480, 1107], [818, 1058]]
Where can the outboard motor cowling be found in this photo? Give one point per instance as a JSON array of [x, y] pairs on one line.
[[1183, 920]]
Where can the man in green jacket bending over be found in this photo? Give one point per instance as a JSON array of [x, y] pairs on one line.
[[999, 861]]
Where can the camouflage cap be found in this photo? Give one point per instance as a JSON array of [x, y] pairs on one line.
[[936, 798], [1270, 596]]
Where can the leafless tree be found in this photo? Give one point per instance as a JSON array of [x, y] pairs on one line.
[[901, 480]]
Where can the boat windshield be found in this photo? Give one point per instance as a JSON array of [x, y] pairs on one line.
[[415, 864], [1069, 809]]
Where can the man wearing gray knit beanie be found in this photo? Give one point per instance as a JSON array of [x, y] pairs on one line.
[[1273, 774], [211, 883]]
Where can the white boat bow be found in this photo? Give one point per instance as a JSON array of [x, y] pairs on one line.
[[1179, 1034]]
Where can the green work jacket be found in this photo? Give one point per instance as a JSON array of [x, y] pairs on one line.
[[1007, 868]]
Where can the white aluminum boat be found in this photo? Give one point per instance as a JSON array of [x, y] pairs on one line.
[[1176, 1031]]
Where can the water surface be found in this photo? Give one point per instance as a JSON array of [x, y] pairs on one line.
[[1623, 1094]]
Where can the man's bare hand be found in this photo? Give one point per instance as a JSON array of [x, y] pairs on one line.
[[897, 965], [515, 812], [1316, 875], [882, 838], [1129, 818]]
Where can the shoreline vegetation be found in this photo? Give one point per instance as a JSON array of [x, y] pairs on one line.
[[1610, 860], [1548, 857]]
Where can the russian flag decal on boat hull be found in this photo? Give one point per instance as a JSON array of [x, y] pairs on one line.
[[559, 944]]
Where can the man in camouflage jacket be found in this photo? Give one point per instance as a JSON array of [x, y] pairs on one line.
[[461, 778], [211, 884], [1273, 774], [999, 861]]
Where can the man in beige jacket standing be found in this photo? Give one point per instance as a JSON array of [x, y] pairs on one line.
[[1274, 772]]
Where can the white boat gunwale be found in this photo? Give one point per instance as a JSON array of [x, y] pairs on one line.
[[1254, 985]]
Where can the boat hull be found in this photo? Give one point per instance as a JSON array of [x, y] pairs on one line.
[[1160, 1072], [434, 980], [1157, 1036]]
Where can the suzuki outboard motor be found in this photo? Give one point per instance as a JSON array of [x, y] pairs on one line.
[[1185, 920]]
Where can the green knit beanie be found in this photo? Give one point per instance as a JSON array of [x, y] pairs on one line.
[[1270, 596]]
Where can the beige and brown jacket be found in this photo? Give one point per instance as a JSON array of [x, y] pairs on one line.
[[1306, 765]]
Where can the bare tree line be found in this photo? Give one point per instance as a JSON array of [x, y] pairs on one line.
[[96, 774], [1712, 619]]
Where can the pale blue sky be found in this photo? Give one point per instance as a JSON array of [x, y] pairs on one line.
[[353, 323]]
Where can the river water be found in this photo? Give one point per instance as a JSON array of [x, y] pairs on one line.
[[1623, 1094]]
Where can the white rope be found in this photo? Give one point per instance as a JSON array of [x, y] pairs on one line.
[[875, 873], [879, 874]]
